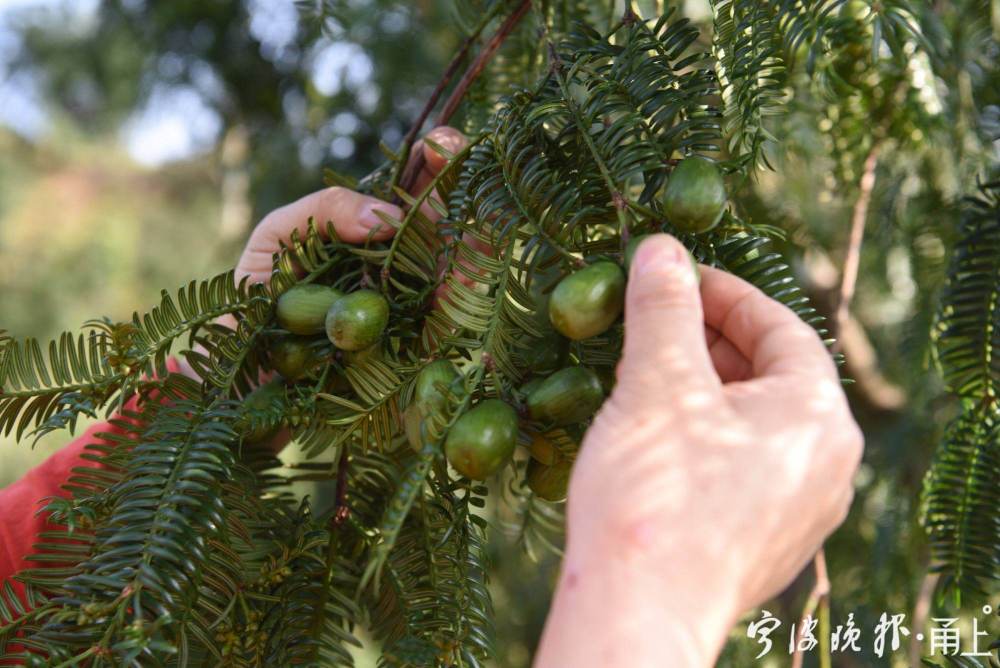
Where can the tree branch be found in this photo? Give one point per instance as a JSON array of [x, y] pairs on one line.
[[819, 597], [446, 77], [340, 509], [920, 613], [413, 167], [852, 259]]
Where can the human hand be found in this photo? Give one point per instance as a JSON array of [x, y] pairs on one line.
[[722, 459], [353, 216]]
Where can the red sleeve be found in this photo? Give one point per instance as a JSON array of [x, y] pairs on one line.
[[21, 500]]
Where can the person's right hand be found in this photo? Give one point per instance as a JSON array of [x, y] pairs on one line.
[[722, 459]]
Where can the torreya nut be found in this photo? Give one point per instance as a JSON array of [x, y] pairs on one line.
[[695, 197], [571, 395], [302, 309], [545, 354], [588, 301], [293, 357], [412, 420], [633, 245], [550, 483], [433, 381], [357, 320], [543, 448], [482, 441], [430, 397], [553, 445]]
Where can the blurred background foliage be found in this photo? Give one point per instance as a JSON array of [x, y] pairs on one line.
[[140, 141]]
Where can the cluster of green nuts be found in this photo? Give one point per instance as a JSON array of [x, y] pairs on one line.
[[561, 397], [561, 394], [557, 402], [353, 322]]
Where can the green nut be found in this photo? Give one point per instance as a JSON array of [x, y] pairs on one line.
[[482, 441], [695, 197], [356, 321], [302, 309], [549, 483], [293, 357], [571, 395], [588, 301]]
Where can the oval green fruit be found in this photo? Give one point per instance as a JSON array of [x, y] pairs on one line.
[[554, 445], [546, 354], [430, 396], [302, 309], [633, 245], [433, 381], [293, 357], [531, 385], [357, 320], [550, 483], [695, 196], [588, 301], [412, 419], [482, 441], [571, 395]]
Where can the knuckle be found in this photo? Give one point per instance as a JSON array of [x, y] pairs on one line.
[[332, 197], [448, 136]]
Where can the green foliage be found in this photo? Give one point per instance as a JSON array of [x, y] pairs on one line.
[[183, 545], [961, 487]]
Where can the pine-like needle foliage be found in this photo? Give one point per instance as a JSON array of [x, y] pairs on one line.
[[182, 544], [961, 490]]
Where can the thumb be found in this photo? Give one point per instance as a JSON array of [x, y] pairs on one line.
[[665, 344]]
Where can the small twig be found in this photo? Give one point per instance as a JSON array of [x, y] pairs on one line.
[[476, 68], [819, 597], [820, 594], [340, 509], [921, 611], [852, 259], [446, 77]]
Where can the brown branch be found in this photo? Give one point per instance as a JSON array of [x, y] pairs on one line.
[[476, 68], [920, 613], [852, 259], [340, 509], [819, 596], [446, 77]]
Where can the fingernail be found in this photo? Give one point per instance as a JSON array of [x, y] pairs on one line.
[[659, 255]]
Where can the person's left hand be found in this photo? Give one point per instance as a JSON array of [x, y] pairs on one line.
[[352, 214]]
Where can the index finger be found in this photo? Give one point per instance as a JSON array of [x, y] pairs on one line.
[[765, 331]]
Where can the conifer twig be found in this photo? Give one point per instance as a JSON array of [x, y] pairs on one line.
[[920, 613], [446, 77], [819, 597], [412, 168], [852, 258]]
